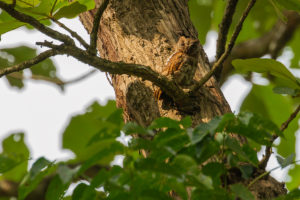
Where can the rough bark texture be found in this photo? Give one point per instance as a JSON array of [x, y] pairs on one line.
[[145, 32]]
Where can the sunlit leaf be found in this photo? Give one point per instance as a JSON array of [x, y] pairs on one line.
[[271, 66], [242, 192], [40, 169], [295, 178], [83, 192], [276, 108], [14, 147]]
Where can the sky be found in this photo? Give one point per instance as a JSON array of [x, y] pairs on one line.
[[42, 111]]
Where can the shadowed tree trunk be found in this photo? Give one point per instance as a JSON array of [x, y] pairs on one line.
[[146, 32]]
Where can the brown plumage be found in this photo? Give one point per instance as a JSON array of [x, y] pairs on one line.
[[182, 64]]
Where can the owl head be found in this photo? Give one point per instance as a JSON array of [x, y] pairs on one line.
[[188, 46]]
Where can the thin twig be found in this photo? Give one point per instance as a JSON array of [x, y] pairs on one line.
[[28, 63], [53, 6], [267, 173], [96, 23], [80, 78], [108, 79], [223, 31], [268, 152], [220, 61], [36, 24], [56, 81], [224, 27], [73, 33]]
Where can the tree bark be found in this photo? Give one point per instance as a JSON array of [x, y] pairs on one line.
[[145, 32]]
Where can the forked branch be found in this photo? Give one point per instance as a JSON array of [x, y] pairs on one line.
[[268, 152], [73, 33], [227, 52], [35, 23]]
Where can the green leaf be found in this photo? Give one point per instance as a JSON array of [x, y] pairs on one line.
[[215, 171], [15, 148], [66, 174], [84, 192], [242, 192], [70, 11], [206, 149], [254, 127], [88, 132], [271, 66], [90, 4], [8, 23], [167, 143], [295, 178], [289, 4], [284, 162], [134, 128], [247, 170], [56, 189], [184, 163], [7, 163], [186, 122], [201, 17], [276, 108], [102, 156], [245, 152], [202, 193], [100, 178], [37, 173], [294, 44], [156, 166], [38, 166], [13, 56], [197, 135], [165, 122]]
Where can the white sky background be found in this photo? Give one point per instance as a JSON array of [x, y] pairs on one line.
[[42, 111]]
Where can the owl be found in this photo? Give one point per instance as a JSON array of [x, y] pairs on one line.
[[182, 64]]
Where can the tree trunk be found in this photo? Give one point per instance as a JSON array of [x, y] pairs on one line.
[[146, 32]]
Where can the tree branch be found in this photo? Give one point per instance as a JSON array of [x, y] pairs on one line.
[[80, 78], [56, 81], [73, 33], [220, 61], [268, 152], [223, 31], [94, 33], [28, 63], [35, 23], [144, 72], [271, 43], [224, 27]]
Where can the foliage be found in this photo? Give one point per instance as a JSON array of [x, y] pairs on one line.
[[174, 154], [175, 149]]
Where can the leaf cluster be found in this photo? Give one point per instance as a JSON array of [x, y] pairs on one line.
[[178, 157]]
